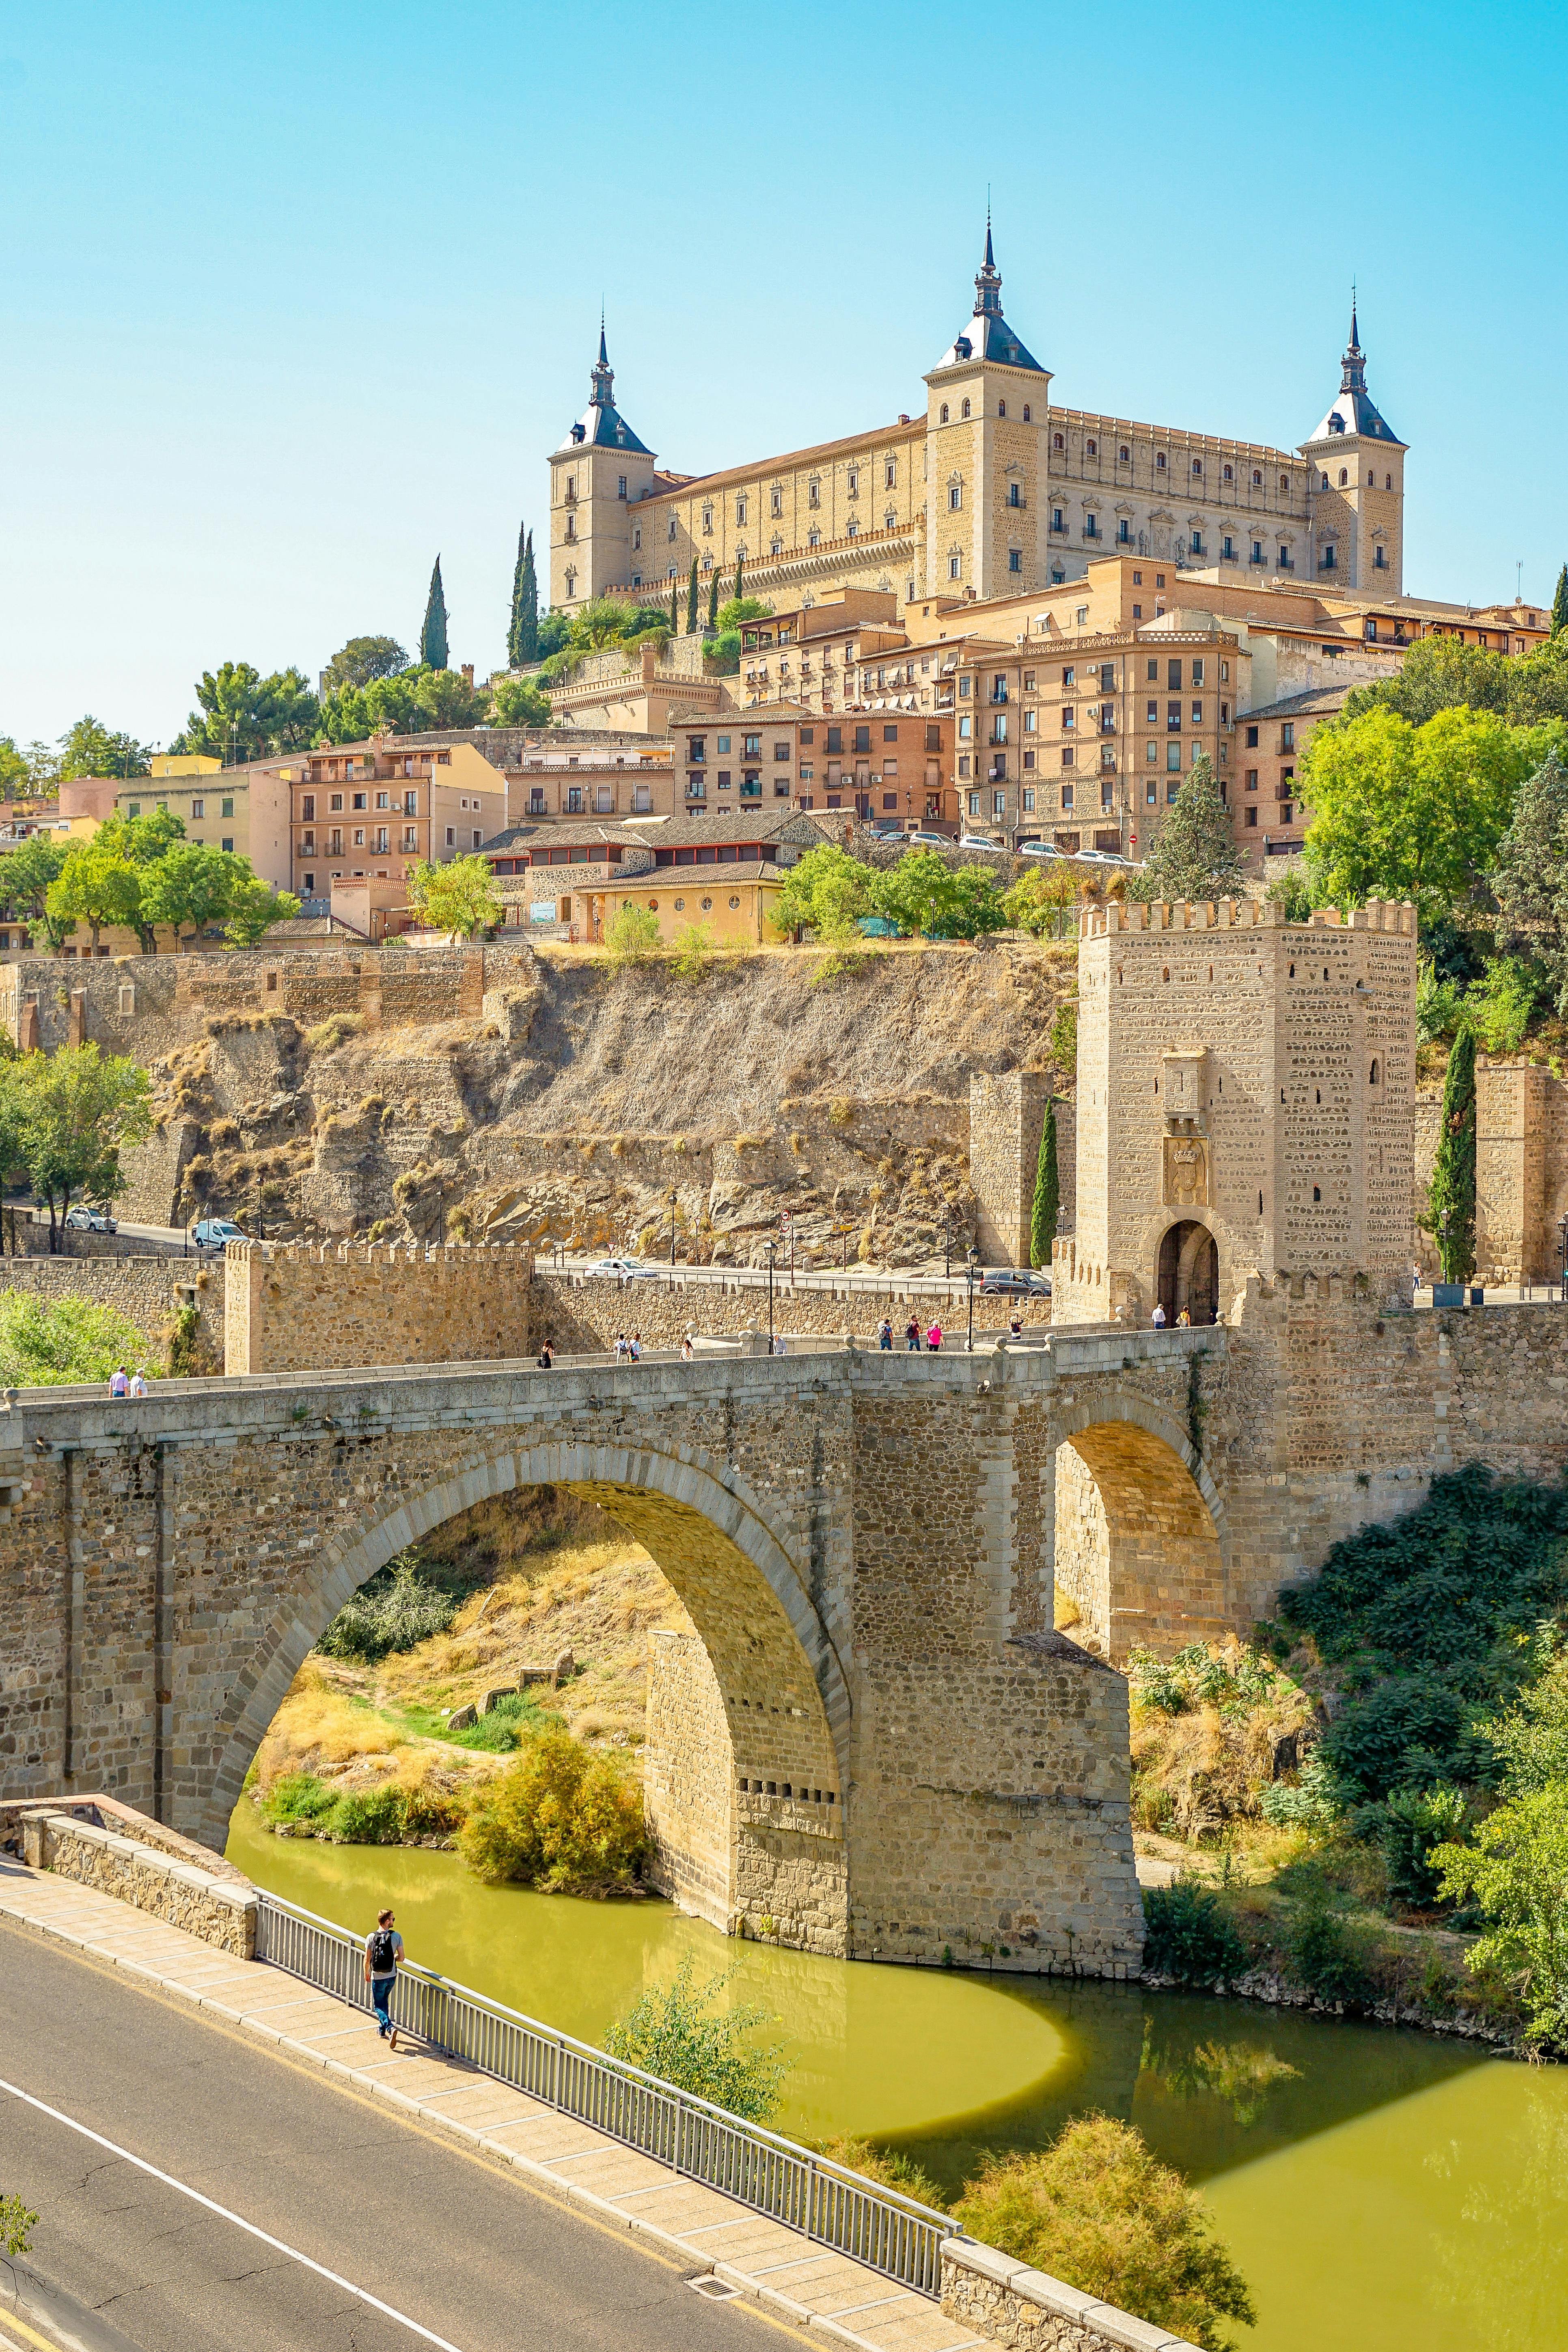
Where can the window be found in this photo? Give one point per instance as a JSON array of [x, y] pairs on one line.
[[1029, 800], [955, 495], [1197, 542], [1059, 520], [777, 502], [1083, 617], [1173, 757], [1257, 478], [1057, 441], [1173, 673], [1067, 800], [1288, 736], [998, 803], [1069, 673], [228, 841], [1014, 494], [942, 413], [1197, 714], [1001, 409], [890, 473], [359, 836], [1379, 563], [1069, 758], [964, 409], [1070, 718], [1284, 484], [1152, 713], [953, 566], [862, 739], [308, 807], [1026, 412], [814, 537], [1015, 559], [1197, 465], [226, 806], [1198, 672], [741, 509], [198, 808], [1388, 482], [575, 797], [1258, 550], [1160, 462], [383, 801], [1227, 474], [1172, 717], [1345, 476]]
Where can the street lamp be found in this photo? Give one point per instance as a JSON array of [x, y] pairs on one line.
[[671, 1196], [1563, 1234], [969, 1270], [772, 1253]]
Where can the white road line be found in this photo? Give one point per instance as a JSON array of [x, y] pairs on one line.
[[278, 2244]]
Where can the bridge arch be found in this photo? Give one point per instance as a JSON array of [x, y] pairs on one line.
[[748, 1754], [1142, 1537]]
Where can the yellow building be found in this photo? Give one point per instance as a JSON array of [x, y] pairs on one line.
[[722, 873], [183, 763], [990, 489], [244, 810]]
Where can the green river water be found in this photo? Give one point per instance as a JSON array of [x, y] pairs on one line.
[[1379, 2188]]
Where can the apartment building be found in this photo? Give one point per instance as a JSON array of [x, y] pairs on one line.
[[561, 777], [372, 811], [1271, 821], [739, 760], [244, 810]]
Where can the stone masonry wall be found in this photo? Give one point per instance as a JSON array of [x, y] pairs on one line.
[[1006, 1116], [583, 1315], [201, 1902], [325, 1308], [689, 1779], [1002, 2300]]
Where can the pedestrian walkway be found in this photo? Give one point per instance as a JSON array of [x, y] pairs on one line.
[[705, 2230]]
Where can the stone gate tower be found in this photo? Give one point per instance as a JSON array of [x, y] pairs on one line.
[[1245, 1097]]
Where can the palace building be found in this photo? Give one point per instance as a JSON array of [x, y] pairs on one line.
[[992, 490]]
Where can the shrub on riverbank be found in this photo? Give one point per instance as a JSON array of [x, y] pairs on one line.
[[1190, 1936], [401, 1605], [561, 1818], [675, 2033], [1098, 2210], [404, 1811]]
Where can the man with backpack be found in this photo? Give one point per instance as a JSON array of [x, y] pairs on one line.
[[383, 1952]]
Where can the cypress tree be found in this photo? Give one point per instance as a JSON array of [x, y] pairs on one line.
[[530, 606], [514, 657], [1560, 603], [433, 635], [713, 605], [737, 566], [691, 600], [1453, 1186], [674, 608], [1047, 1192]]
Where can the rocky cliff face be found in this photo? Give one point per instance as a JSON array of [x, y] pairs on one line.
[[586, 1105]]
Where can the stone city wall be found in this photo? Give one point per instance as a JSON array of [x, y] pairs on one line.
[[203, 1902], [1004, 2302], [337, 1308], [147, 1291]]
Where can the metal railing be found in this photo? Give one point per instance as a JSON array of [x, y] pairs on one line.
[[826, 2201]]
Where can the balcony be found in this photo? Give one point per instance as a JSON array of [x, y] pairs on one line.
[[998, 694]]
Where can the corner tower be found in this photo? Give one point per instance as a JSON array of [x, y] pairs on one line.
[[597, 476], [987, 400], [1358, 497]]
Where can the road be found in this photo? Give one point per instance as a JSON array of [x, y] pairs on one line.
[[456, 2248]]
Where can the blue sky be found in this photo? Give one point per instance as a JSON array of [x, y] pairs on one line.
[[298, 295]]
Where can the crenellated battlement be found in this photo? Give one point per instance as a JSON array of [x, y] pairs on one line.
[[1117, 915]]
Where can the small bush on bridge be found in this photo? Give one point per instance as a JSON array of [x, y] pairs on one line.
[[1097, 2210], [674, 2031], [561, 1818]]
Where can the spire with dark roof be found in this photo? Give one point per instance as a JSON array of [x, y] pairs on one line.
[[602, 427], [1353, 411], [988, 336]]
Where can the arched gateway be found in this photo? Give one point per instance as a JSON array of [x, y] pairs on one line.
[[873, 1742]]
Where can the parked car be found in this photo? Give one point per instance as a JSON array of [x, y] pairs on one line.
[[1040, 849], [216, 1232], [623, 1269], [929, 840], [977, 841], [1017, 1282], [91, 1221]]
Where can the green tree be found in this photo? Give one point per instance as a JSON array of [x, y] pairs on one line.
[[362, 661], [674, 609], [1528, 875], [26, 875], [244, 716], [676, 2034], [1039, 899], [518, 703], [96, 887], [140, 841], [827, 892], [1560, 603], [714, 604], [1047, 1192], [739, 566], [254, 907], [736, 611], [1451, 1195], [458, 898], [1195, 857], [433, 633], [1516, 1872], [1404, 811], [559, 1818], [523, 625], [15, 774], [191, 887], [1098, 2210], [1438, 673], [691, 600], [928, 898], [80, 1109], [554, 631], [91, 749], [411, 702], [633, 934]]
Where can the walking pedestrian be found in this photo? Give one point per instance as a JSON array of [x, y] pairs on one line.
[[1183, 1321], [138, 1383], [621, 1347], [547, 1356], [884, 1335], [933, 1339], [686, 1348], [118, 1381], [1015, 1324], [912, 1336], [1159, 1316], [383, 1951], [637, 1346]]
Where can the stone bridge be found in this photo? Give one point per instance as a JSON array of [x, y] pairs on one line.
[[872, 1742]]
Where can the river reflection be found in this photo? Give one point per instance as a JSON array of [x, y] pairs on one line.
[[1378, 2188]]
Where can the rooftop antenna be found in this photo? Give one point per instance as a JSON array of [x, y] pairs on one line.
[[1519, 581]]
